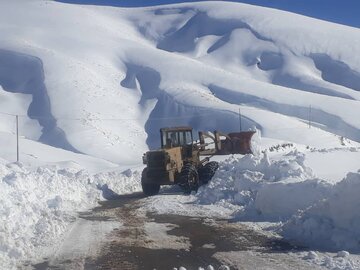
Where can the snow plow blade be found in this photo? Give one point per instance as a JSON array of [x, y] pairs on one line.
[[226, 144], [237, 143]]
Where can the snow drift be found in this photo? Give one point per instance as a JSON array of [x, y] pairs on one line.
[[37, 206], [265, 189], [332, 223], [315, 213]]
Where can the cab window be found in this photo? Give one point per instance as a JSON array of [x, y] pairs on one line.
[[173, 137], [188, 137], [176, 138]]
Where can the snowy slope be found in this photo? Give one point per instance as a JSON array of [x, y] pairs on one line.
[[103, 80]]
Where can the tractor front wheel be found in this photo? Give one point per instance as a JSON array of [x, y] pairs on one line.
[[208, 171], [189, 178], [149, 189]]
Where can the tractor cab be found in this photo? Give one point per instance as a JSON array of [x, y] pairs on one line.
[[178, 137], [175, 137]]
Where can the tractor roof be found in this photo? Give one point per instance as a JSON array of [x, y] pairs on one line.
[[183, 128]]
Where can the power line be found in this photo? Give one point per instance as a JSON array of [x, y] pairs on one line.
[[107, 119], [9, 114]]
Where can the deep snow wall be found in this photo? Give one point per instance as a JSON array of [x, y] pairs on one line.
[[20, 73]]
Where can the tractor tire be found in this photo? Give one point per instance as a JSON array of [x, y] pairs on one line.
[[149, 189], [207, 171], [189, 178]]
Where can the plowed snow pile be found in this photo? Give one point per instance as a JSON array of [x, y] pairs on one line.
[[332, 223], [36, 206], [316, 213]]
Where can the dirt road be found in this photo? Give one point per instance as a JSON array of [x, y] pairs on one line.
[[121, 234]]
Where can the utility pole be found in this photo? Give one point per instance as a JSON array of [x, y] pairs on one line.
[[17, 138], [240, 120], [310, 116]]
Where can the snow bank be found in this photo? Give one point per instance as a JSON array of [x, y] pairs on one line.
[[317, 213], [280, 200], [333, 223], [36, 206], [263, 188]]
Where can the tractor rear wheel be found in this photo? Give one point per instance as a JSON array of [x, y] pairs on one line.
[[208, 171], [189, 178], [149, 189]]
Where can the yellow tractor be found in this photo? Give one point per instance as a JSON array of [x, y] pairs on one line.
[[180, 162]]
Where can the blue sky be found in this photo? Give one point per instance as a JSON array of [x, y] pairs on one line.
[[339, 11]]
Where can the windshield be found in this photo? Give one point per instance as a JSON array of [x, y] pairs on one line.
[[176, 138]]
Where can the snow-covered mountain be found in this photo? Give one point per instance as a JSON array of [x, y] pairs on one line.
[[101, 81], [92, 86]]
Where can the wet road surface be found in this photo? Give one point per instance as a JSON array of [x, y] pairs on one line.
[[144, 240]]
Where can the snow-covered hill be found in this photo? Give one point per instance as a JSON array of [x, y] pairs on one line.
[[103, 80], [93, 85]]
